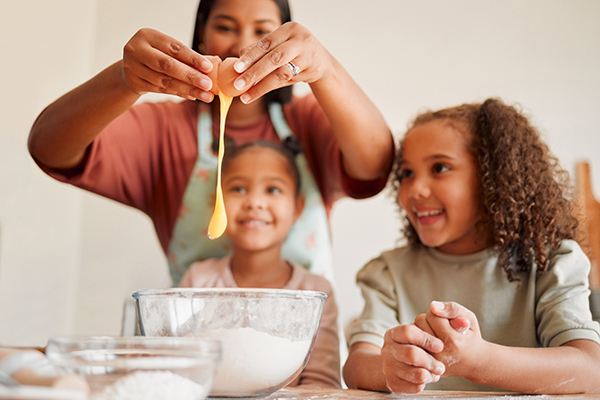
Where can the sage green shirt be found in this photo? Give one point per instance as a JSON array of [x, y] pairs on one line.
[[539, 311]]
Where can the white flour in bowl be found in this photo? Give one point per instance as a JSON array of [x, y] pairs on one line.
[[254, 360], [153, 385]]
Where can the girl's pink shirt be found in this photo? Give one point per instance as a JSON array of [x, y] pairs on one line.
[[323, 367]]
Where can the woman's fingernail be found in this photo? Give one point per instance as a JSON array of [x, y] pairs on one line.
[[239, 66], [206, 65], [239, 84], [438, 305], [245, 98], [205, 83], [206, 96]]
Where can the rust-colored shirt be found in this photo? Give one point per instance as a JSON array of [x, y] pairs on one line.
[[144, 158]]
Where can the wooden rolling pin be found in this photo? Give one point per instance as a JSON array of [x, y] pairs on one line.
[[590, 221]]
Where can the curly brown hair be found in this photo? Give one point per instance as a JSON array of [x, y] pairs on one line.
[[525, 196]]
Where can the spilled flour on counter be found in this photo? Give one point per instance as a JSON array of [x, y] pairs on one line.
[[152, 385], [254, 360]]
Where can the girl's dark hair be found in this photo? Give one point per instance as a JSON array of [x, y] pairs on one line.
[[525, 196], [289, 149], [282, 95]]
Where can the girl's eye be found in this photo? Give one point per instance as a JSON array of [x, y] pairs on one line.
[[439, 168], [404, 173], [237, 189], [273, 190], [262, 32]]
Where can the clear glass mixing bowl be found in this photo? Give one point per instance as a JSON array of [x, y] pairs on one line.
[[267, 334]]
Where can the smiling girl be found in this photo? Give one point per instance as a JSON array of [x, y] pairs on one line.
[[263, 199], [491, 292]]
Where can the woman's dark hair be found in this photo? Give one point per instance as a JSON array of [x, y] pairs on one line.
[[525, 196], [288, 149], [282, 95]]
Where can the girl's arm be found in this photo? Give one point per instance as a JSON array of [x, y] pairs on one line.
[[571, 368], [363, 136], [152, 62], [363, 368]]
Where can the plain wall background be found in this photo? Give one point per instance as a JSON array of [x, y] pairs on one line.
[[69, 259]]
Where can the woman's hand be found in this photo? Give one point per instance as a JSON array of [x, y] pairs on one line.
[[152, 62], [408, 359], [155, 62], [364, 139], [265, 64]]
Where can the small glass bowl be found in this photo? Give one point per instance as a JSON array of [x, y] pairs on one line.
[[132, 368]]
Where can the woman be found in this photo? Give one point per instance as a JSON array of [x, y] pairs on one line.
[[158, 157]]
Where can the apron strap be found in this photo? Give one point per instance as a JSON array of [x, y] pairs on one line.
[[206, 156], [278, 120]]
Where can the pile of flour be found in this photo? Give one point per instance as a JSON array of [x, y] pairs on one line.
[[153, 385], [254, 360]]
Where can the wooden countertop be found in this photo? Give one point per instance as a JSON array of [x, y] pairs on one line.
[[351, 394]]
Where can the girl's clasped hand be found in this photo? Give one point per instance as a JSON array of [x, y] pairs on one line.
[[156, 62], [444, 341]]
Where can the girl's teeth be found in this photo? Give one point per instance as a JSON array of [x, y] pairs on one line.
[[430, 213], [255, 223]]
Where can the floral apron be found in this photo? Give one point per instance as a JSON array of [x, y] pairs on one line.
[[308, 242]]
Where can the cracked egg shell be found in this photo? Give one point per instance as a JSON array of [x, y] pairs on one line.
[[226, 77], [214, 74]]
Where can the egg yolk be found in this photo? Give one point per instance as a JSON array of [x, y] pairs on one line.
[[218, 221], [222, 76]]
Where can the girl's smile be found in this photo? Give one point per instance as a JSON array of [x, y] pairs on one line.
[[251, 223], [427, 216], [439, 187]]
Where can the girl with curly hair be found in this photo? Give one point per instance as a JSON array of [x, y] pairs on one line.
[[491, 291]]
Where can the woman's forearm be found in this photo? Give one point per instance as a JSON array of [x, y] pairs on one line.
[[63, 131], [364, 138]]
